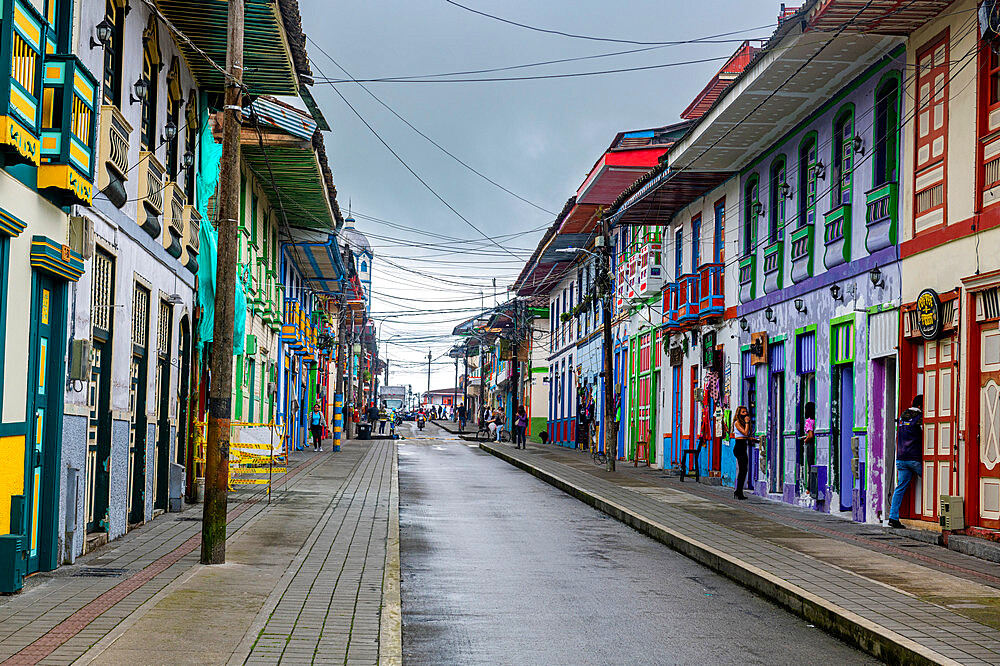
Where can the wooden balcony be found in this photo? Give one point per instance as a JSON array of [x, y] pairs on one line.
[[882, 217], [774, 264], [837, 236], [192, 238], [748, 278], [150, 210], [22, 33], [113, 150], [713, 298], [689, 299], [69, 131], [802, 253], [173, 218]]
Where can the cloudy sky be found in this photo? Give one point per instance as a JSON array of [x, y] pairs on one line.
[[536, 138]]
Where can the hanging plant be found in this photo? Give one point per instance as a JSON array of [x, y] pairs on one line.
[[564, 317]]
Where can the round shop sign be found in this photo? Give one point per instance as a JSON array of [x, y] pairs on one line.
[[929, 314]]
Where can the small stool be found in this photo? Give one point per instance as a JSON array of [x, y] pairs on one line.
[[641, 453], [696, 453]]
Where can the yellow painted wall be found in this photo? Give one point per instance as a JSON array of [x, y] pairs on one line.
[[11, 476]]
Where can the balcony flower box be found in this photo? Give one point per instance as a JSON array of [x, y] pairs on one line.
[[837, 236], [174, 219], [192, 238], [882, 217], [151, 174]]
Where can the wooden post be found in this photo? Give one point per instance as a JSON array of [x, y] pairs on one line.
[[610, 431], [213, 529]]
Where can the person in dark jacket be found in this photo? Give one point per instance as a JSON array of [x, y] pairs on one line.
[[909, 454]]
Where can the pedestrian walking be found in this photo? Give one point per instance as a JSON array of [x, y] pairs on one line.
[[520, 426], [462, 414], [383, 417], [909, 454], [741, 424], [317, 423]]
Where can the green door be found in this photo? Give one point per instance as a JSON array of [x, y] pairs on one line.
[[252, 377], [45, 398], [99, 395], [137, 405]]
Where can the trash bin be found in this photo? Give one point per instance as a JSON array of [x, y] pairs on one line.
[[364, 431]]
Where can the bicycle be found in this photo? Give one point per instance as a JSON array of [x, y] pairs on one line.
[[598, 457], [484, 434]]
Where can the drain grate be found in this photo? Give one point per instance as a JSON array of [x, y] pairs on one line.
[[196, 519], [101, 572]]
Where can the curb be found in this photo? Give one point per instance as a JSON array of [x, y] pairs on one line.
[[390, 639], [868, 636]]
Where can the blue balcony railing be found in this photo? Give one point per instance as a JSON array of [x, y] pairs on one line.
[[690, 298], [713, 300]]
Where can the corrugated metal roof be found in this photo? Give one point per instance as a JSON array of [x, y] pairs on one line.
[[295, 122]]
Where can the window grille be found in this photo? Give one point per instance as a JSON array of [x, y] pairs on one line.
[[163, 329], [140, 316], [102, 291]]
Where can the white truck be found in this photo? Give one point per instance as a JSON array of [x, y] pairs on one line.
[[394, 397]]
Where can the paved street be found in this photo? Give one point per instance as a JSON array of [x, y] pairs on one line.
[[501, 568]]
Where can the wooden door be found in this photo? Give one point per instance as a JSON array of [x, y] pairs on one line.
[[988, 437], [137, 406], [936, 366]]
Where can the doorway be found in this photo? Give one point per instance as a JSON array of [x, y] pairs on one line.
[[137, 406], [102, 317], [775, 430], [45, 405], [843, 420], [883, 430], [161, 454]]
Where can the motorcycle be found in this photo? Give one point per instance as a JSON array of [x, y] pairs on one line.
[[420, 421]]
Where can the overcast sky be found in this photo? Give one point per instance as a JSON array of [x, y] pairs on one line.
[[536, 138]]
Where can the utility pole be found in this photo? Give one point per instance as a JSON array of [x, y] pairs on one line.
[[610, 431], [515, 374], [213, 527], [428, 376], [454, 394]]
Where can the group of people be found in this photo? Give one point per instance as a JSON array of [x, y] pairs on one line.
[[495, 418], [909, 450]]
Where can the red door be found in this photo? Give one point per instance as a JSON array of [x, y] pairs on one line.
[[987, 429], [936, 374]]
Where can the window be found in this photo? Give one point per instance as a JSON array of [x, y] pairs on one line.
[[932, 132], [173, 113], [678, 252], [191, 146], [989, 122], [150, 74], [253, 218], [776, 210], [887, 132], [751, 209], [719, 253], [807, 182], [695, 243], [112, 80], [843, 157]]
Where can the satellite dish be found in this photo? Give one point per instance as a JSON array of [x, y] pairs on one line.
[[989, 23]]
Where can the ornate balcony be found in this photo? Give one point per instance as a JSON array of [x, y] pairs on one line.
[[192, 237], [713, 297], [688, 298], [151, 174], [882, 218], [291, 331], [802, 253], [113, 150], [670, 322], [748, 278], [22, 34], [837, 236], [774, 264], [174, 219], [69, 131]]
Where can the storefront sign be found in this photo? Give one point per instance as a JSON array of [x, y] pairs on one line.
[[676, 356], [758, 348], [929, 314]]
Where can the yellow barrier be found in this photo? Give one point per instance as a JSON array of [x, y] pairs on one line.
[[245, 464]]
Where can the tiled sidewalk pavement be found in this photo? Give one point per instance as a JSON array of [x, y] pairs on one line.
[[329, 611], [63, 613], [770, 557]]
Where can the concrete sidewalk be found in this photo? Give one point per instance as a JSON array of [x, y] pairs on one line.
[[902, 600], [316, 554]]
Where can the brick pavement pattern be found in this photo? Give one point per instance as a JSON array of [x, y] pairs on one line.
[[330, 610], [63, 614], [878, 617]]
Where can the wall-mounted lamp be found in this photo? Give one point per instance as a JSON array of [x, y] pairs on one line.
[[786, 191], [836, 293], [744, 324], [757, 209], [819, 171], [187, 159], [769, 314], [875, 275], [140, 90], [169, 132], [859, 144], [104, 31], [800, 306]]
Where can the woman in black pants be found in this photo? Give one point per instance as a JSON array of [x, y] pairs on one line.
[[741, 424]]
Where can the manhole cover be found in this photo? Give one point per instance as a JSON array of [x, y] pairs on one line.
[[101, 572]]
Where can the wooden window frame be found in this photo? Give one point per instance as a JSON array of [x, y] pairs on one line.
[[777, 212], [751, 196], [929, 47]]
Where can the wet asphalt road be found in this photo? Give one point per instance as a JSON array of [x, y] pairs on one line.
[[501, 568]]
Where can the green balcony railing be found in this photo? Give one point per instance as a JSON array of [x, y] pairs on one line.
[[22, 36]]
